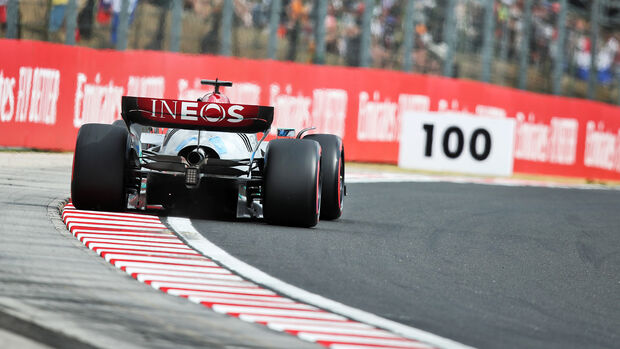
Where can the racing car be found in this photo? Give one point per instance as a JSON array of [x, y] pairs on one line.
[[167, 153]]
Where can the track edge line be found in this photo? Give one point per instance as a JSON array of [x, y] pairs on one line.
[[186, 231]]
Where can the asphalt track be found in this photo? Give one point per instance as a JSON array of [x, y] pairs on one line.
[[55, 292], [488, 266]]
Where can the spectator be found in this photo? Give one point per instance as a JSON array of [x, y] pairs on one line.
[[57, 15], [353, 33], [116, 10], [3, 4], [297, 15]]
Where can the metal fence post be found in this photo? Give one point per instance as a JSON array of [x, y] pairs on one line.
[[558, 68], [226, 30], [524, 51], [274, 22], [176, 25], [503, 45], [409, 23], [594, 28], [365, 45], [71, 22], [123, 24], [320, 32], [12, 16], [488, 40], [449, 37]]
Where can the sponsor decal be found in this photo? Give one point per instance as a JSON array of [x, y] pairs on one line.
[[329, 110], [146, 86], [191, 111], [243, 93], [376, 119], [380, 120], [555, 143], [96, 102], [37, 95], [290, 111], [7, 98], [602, 148], [326, 109], [490, 111]]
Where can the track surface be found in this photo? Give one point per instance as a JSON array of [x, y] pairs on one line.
[[54, 292], [488, 266]]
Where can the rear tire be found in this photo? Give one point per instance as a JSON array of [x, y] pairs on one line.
[[98, 179], [332, 174], [292, 192]]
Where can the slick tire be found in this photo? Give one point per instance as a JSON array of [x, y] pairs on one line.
[[332, 174], [292, 187], [98, 178]]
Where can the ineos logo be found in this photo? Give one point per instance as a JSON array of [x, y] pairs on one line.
[[217, 107], [189, 111], [234, 117]]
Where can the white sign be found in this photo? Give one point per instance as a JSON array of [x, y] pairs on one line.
[[457, 143]]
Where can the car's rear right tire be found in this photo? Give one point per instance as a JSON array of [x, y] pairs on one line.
[[98, 178], [292, 187], [332, 175]]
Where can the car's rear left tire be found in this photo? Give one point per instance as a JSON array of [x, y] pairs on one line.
[[98, 178], [292, 187]]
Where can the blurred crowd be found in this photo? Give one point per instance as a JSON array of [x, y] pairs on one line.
[[343, 31]]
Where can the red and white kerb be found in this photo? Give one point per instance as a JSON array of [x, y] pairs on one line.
[[146, 249]]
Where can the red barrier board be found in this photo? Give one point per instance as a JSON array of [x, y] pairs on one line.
[[47, 91]]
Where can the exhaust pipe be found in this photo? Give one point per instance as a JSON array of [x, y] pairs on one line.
[[196, 156]]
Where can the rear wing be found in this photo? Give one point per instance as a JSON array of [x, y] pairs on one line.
[[158, 112]]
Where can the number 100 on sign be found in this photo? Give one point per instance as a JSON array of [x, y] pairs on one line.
[[457, 143]]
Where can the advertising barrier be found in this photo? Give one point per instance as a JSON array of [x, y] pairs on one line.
[[47, 91]]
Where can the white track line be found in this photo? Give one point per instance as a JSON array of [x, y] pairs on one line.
[[184, 228]]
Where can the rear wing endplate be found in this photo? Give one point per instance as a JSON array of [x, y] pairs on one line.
[[195, 115]]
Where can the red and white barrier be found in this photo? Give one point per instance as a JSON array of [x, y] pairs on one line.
[[47, 91]]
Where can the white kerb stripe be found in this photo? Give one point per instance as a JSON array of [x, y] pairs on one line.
[[70, 209], [314, 337], [159, 285], [135, 249], [187, 293], [257, 310], [185, 261], [333, 330], [81, 232], [121, 264], [175, 277], [127, 238], [168, 271], [121, 231], [109, 215], [184, 228], [201, 296], [362, 346], [107, 242], [103, 222], [224, 301], [193, 281], [102, 251], [290, 321]]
